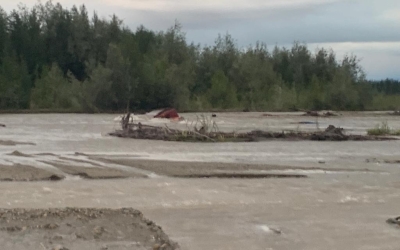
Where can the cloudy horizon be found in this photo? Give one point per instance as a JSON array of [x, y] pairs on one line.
[[365, 28]]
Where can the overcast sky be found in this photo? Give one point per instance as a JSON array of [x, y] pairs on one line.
[[369, 29]]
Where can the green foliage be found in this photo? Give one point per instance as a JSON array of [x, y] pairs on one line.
[[315, 95], [15, 84], [52, 57], [54, 91], [120, 78], [283, 99], [381, 101], [3, 33], [387, 86], [96, 90], [221, 95], [383, 129], [341, 94]]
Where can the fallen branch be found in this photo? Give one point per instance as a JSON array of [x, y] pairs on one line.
[[201, 135]]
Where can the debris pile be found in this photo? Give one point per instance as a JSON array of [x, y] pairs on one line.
[[331, 133], [317, 114], [209, 132]]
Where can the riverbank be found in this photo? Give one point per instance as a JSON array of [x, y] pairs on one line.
[[80, 228]]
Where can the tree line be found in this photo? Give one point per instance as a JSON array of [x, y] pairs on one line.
[[56, 58]]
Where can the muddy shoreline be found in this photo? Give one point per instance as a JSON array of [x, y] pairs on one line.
[[80, 228]]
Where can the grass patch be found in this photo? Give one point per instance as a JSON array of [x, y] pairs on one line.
[[383, 129]]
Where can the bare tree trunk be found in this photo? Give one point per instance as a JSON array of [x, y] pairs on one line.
[[125, 121]]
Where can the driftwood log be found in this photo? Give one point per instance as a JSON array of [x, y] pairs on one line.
[[317, 114], [394, 221]]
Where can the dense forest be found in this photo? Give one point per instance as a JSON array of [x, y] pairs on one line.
[[53, 58]]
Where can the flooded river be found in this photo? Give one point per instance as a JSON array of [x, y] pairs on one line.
[[333, 208]]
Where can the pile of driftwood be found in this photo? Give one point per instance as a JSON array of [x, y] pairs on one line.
[[141, 131], [317, 114], [204, 134]]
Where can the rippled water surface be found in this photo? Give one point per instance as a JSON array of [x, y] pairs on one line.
[[328, 210], [70, 133]]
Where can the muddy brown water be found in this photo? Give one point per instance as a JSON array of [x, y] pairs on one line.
[[331, 209]]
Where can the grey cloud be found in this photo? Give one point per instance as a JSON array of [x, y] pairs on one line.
[[331, 22], [327, 21], [218, 18]]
